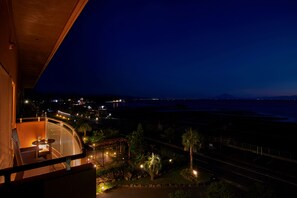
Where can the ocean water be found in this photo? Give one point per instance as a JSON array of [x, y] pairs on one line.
[[285, 110]]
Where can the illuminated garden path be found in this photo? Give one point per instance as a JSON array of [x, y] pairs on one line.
[[126, 192]]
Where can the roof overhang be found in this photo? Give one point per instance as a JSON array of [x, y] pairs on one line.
[[40, 27]]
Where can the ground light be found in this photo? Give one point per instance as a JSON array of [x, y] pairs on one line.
[[195, 173], [102, 187]]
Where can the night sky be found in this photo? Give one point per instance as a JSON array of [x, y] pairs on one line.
[[178, 49]]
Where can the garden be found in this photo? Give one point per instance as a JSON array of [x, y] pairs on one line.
[[138, 163]]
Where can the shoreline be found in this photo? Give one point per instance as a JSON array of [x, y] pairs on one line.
[[245, 126]]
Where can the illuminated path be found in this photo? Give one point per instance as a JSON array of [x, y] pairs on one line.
[[126, 192]]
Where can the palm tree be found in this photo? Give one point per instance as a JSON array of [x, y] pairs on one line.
[[84, 127], [153, 165], [192, 142]]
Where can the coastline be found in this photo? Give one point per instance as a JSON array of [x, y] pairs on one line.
[[245, 121]]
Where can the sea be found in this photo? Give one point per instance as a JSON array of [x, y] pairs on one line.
[[282, 110]]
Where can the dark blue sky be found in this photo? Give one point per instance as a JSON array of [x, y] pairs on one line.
[[178, 48]]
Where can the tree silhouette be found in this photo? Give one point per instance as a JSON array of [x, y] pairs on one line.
[[135, 141], [84, 127], [192, 142]]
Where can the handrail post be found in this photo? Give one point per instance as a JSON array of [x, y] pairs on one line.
[[68, 161], [7, 178]]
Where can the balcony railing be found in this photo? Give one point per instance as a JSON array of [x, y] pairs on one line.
[[66, 150], [67, 142]]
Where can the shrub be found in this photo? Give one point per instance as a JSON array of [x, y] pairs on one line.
[[188, 175], [180, 194], [102, 187], [219, 189]]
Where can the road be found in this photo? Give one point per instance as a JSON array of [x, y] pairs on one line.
[[229, 167], [238, 173]]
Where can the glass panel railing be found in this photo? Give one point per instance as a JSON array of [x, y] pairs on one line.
[[67, 142]]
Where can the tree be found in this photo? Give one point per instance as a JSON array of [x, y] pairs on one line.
[[97, 136], [169, 134], [135, 141], [192, 142], [84, 127], [153, 165]]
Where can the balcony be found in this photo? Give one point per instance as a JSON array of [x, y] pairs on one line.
[[66, 171]]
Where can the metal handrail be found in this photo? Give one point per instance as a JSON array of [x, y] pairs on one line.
[[66, 159]]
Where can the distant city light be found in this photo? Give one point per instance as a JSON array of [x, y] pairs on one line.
[[63, 113]]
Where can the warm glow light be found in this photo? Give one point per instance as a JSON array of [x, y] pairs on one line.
[[95, 165], [26, 101], [170, 160], [195, 173], [141, 165], [114, 153], [106, 153]]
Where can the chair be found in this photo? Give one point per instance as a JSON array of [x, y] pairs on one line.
[[44, 147]]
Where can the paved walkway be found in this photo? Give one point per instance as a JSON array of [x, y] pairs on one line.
[[125, 192]]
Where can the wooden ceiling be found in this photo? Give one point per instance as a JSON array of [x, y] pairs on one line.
[[40, 27]]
